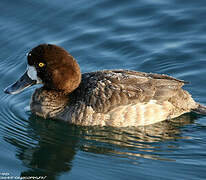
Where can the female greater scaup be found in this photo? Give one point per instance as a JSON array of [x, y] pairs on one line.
[[106, 98]]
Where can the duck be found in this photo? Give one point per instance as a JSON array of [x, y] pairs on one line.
[[118, 97]]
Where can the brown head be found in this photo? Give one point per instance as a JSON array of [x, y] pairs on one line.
[[52, 66]]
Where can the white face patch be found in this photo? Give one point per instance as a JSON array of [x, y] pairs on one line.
[[32, 73]]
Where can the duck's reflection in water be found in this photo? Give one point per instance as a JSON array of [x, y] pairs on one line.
[[47, 147]]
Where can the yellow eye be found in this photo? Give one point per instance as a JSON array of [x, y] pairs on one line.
[[41, 64]]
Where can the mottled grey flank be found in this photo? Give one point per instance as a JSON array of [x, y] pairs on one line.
[[116, 98]]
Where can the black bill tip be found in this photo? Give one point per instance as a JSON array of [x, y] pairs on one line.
[[8, 90]]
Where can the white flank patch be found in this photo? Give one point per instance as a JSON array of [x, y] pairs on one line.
[[142, 110], [32, 73], [152, 102]]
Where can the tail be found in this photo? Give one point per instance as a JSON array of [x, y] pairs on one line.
[[201, 109]]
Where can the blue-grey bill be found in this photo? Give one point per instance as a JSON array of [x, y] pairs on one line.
[[24, 82]]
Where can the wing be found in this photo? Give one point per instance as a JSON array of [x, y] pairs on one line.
[[104, 90]]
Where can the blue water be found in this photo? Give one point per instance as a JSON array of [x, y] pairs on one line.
[[157, 36]]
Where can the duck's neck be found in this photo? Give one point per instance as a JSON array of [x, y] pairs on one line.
[[48, 103]]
